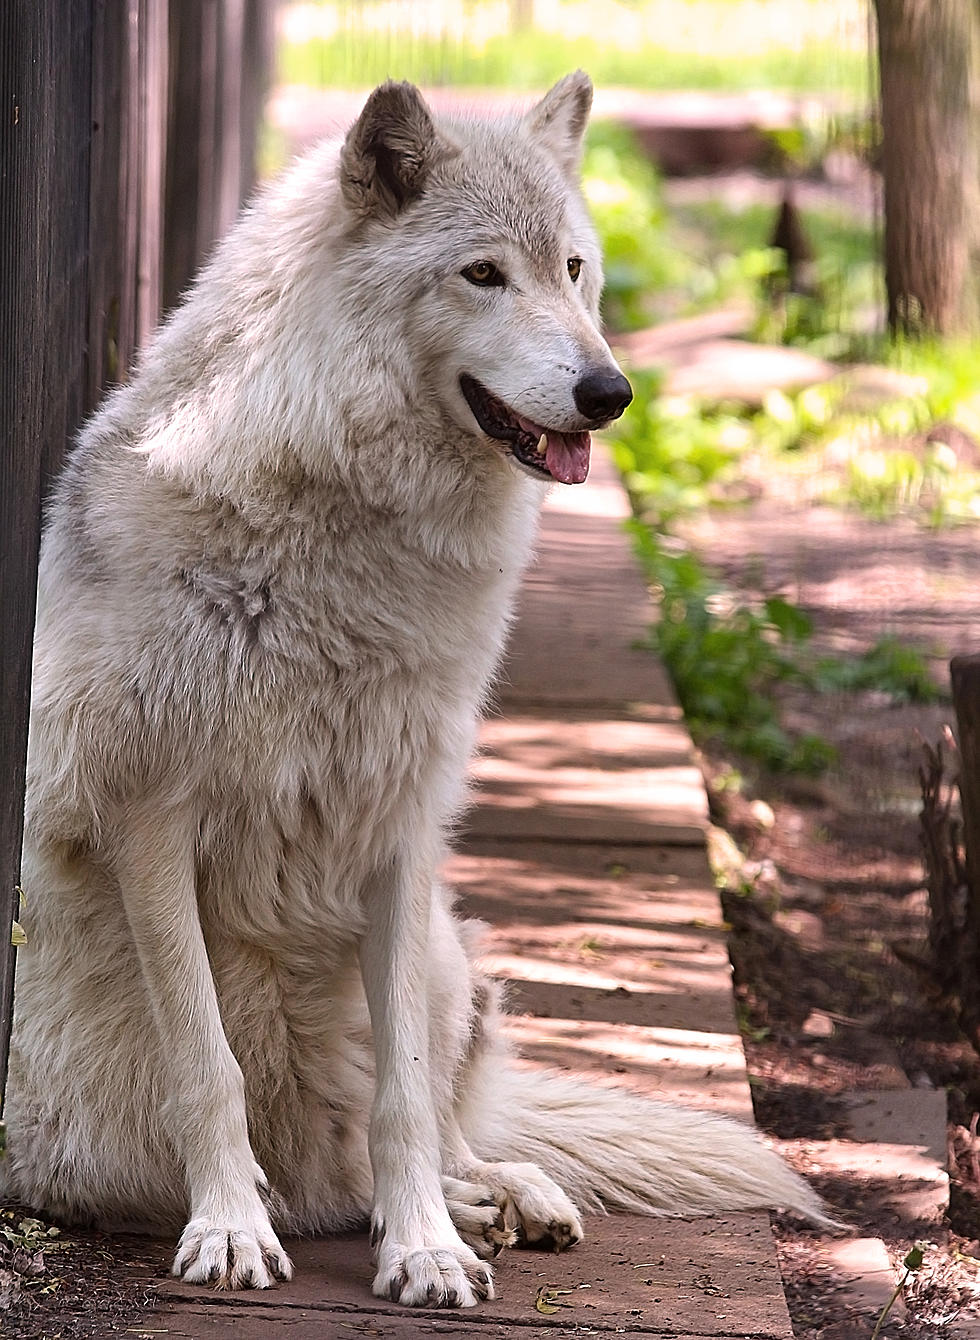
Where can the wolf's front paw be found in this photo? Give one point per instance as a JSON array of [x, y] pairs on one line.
[[239, 1256], [432, 1276]]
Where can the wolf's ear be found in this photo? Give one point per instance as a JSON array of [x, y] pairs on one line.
[[558, 121], [390, 151]]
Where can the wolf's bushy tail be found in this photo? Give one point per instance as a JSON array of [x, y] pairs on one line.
[[610, 1149]]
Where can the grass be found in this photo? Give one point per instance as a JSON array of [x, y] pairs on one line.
[[534, 60], [715, 229], [699, 255], [804, 46]]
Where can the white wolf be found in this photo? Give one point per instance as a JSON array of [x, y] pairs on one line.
[[275, 581]]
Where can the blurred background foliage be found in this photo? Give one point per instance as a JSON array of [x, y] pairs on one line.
[[782, 232], [803, 45]]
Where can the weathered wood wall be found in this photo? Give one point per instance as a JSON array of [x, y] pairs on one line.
[[127, 141]]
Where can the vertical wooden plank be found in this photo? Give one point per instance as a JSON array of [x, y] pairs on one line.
[[21, 128], [191, 179], [183, 149], [127, 16], [106, 208], [153, 59], [66, 234], [206, 210], [257, 59], [220, 55], [231, 39]]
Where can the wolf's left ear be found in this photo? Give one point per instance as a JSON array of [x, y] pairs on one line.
[[390, 151], [558, 121]]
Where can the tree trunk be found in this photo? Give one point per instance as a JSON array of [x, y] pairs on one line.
[[929, 59], [964, 674]]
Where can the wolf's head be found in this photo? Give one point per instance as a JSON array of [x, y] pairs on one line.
[[483, 230]]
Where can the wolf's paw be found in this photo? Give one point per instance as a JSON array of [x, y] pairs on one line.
[[239, 1257], [533, 1206], [432, 1276], [477, 1217]]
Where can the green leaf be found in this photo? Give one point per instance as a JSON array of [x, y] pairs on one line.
[[791, 622]]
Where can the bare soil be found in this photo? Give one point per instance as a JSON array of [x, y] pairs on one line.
[[828, 933], [78, 1286]]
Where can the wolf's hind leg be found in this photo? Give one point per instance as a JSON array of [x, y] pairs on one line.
[[478, 1216], [228, 1241], [535, 1211]]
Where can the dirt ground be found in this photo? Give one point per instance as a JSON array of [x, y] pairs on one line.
[[76, 1286], [832, 995]]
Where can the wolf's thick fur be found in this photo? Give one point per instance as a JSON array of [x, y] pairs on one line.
[[275, 581]]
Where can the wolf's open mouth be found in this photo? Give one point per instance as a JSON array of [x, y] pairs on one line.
[[565, 456]]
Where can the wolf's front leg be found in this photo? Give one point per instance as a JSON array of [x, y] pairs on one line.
[[421, 1258], [228, 1241]]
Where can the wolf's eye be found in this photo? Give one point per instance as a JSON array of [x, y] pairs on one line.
[[574, 264], [484, 274]]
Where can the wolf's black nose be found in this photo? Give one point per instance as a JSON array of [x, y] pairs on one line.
[[602, 395]]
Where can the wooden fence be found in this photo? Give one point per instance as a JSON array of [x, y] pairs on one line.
[[127, 142]]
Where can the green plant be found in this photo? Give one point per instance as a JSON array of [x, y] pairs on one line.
[[708, 253], [674, 453], [731, 258], [893, 457], [24, 1242], [622, 188], [29, 1235], [890, 666], [725, 659], [897, 460], [949, 387], [912, 1263]]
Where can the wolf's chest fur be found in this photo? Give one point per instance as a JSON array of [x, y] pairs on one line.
[[349, 664], [327, 617]]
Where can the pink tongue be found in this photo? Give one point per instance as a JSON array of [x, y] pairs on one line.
[[567, 456]]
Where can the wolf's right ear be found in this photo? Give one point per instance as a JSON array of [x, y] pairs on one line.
[[558, 121], [390, 151]]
